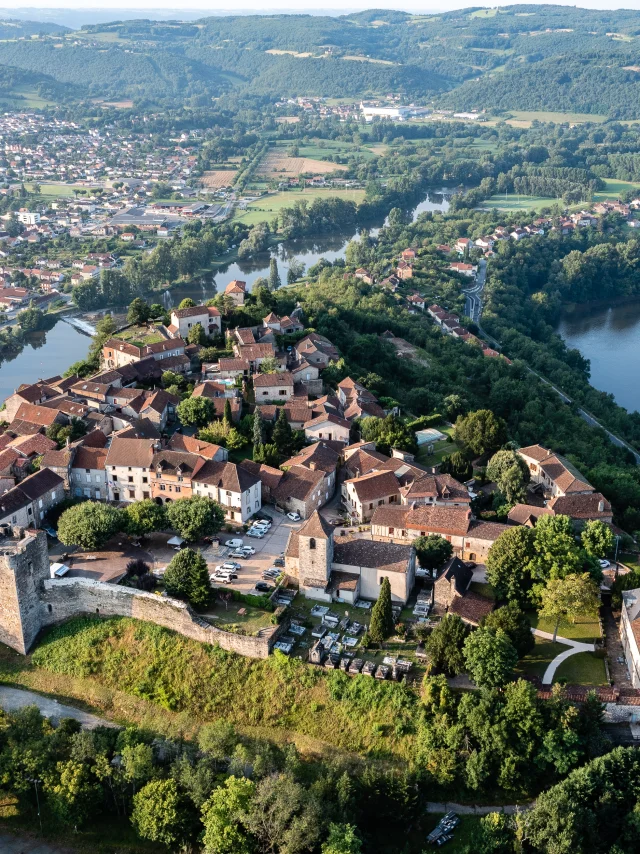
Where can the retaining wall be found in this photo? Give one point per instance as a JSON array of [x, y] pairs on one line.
[[72, 597]]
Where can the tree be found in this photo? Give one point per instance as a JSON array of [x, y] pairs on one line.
[[481, 431], [432, 550], [195, 517], [218, 740], [457, 465], [187, 577], [171, 379], [269, 365], [227, 416], [257, 430], [282, 435], [145, 517], [566, 599], [597, 539], [283, 817], [139, 312], [495, 835], [515, 624], [187, 302], [509, 564], [223, 816], [72, 794], [490, 657], [444, 645], [89, 525], [196, 335], [274, 275], [342, 839], [557, 553], [511, 473], [381, 625], [195, 410], [159, 813]]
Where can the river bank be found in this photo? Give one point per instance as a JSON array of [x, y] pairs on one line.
[[608, 334]]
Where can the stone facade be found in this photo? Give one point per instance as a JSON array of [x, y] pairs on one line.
[[70, 597], [24, 567]]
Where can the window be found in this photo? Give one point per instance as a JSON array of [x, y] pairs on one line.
[[145, 495], [178, 489], [312, 543], [132, 493], [162, 487], [130, 478], [115, 478], [145, 480], [14, 519], [129, 469], [371, 507]]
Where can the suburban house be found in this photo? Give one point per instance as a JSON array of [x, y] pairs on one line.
[[235, 488], [554, 475], [184, 319], [237, 291], [273, 386], [349, 569]]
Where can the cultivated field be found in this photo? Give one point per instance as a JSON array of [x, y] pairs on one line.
[[277, 163], [265, 207], [217, 178]]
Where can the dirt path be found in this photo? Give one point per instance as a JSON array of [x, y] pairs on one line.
[[12, 699]]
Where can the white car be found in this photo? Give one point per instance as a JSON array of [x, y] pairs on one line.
[[248, 550], [295, 517], [220, 579], [604, 564], [261, 526], [255, 532], [234, 544]]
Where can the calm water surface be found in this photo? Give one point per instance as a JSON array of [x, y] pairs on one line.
[[610, 339], [52, 352]]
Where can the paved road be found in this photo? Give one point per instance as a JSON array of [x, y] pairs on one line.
[[464, 809], [12, 699], [11, 844], [473, 302]]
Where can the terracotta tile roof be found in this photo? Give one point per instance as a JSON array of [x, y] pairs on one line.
[[355, 551], [94, 439], [328, 418], [137, 453], [41, 482], [25, 428], [41, 415], [192, 311], [163, 346], [35, 392], [236, 287], [472, 607], [528, 514], [180, 442], [582, 506], [299, 483], [90, 458], [233, 365], [174, 462], [235, 403], [444, 520], [140, 428], [269, 477], [209, 389], [158, 401], [487, 530], [342, 581], [390, 516], [318, 455], [34, 444], [281, 380], [56, 459], [251, 352], [375, 485], [536, 452], [226, 476], [8, 459]]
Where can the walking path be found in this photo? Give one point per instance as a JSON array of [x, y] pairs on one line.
[[465, 809], [12, 699], [574, 648]]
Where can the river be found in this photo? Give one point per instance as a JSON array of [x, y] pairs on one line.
[[52, 352], [610, 339]]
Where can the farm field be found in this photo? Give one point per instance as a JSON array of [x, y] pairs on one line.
[[278, 164], [550, 116], [520, 203], [614, 189], [217, 178], [264, 208]]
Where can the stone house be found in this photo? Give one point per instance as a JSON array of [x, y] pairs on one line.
[[451, 593], [27, 504], [237, 291], [347, 570], [236, 489], [330, 427], [172, 473], [301, 491], [184, 319], [554, 475], [129, 468], [88, 476], [268, 387], [630, 633], [362, 495]]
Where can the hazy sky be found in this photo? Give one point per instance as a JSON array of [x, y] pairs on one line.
[[313, 7]]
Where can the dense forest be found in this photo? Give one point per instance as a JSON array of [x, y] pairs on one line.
[[536, 57]]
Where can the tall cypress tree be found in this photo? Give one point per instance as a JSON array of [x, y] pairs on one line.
[[257, 428], [274, 275], [282, 435], [227, 412], [381, 625]]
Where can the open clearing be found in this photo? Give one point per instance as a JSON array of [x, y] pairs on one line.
[[264, 208], [519, 203], [215, 179], [549, 116], [614, 189], [54, 189], [277, 163]]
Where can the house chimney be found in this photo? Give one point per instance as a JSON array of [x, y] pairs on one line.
[[601, 506]]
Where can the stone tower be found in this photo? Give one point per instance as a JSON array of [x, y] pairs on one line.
[[315, 550], [24, 566]]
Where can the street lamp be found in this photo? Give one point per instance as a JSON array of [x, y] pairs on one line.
[[35, 782]]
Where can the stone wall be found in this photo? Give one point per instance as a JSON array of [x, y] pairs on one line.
[[24, 566], [71, 597]]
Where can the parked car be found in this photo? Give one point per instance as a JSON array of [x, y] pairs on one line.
[[255, 532], [220, 579], [279, 561], [295, 517], [231, 564], [239, 554], [470, 563], [604, 564], [248, 550], [51, 532], [234, 544], [263, 587], [268, 573]]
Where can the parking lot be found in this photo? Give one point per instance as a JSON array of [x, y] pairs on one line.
[[267, 549]]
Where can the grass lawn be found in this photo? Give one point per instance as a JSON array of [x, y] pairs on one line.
[[585, 668], [140, 335], [267, 206], [536, 662], [513, 202], [630, 559], [248, 623], [483, 589], [558, 118], [614, 189], [441, 449], [52, 189], [585, 629]]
